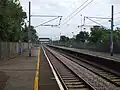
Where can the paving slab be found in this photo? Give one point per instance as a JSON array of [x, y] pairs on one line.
[[18, 73]]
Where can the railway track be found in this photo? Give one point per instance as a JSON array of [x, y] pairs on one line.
[[75, 76], [69, 79], [106, 74]]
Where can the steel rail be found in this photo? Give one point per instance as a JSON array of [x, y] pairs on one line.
[[88, 85], [111, 75]]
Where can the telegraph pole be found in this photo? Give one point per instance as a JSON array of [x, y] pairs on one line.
[[111, 34], [29, 28]]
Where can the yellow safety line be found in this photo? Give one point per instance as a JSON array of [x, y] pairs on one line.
[[37, 72]]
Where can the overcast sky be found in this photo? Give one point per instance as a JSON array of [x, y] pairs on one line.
[[99, 8]]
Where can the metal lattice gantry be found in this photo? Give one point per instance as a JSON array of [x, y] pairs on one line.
[[112, 26], [42, 24]]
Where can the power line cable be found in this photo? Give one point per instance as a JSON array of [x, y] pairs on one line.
[[44, 16], [117, 17], [96, 22], [46, 22], [116, 13], [99, 17], [117, 25], [77, 12], [114, 18]]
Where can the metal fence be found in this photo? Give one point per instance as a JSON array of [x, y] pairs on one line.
[[102, 47], [8, 49]]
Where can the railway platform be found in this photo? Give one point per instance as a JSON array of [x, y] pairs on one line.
[[19, 73], [115, 57]]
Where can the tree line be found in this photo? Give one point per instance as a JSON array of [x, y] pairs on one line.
[[98, 36], [12, 22]]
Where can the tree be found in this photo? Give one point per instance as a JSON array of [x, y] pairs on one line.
[[116, 35], [33, 34], [11, 20], [64, 38], [82, 36], [25, 34], [99, 34]]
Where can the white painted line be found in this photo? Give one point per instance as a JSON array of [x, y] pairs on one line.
[[54, 73]]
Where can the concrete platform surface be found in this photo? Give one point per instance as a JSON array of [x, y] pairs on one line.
[[115, 57], [47, 80], [18, 73]]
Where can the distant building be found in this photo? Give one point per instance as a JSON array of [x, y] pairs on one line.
[[45, 40], [96, 26]]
